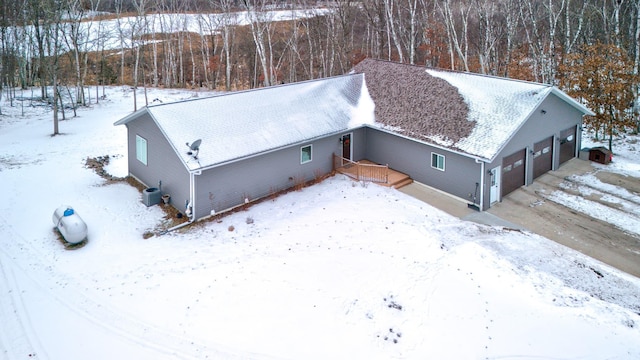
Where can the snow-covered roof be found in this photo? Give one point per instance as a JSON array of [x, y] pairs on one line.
[[470, 113], [241, 124], [497, 106]]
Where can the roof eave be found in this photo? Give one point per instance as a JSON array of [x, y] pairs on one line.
[[559, 93], [571, 101], [264, 152], [433, 144], [166, 137], [526, 119], [134, 115]]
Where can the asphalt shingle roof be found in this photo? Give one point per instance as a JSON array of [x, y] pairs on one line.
[[241, 124], [470, 113], [465, 112]]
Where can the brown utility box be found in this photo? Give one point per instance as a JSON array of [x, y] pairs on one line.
[[600, 155]]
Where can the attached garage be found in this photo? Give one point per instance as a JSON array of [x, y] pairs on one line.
[[542, 157], [567, 144], [513, 171]]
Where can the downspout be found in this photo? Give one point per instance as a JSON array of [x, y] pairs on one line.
[[556, 152], [483, 185], [527, 167], [190, 204], [579, 139]]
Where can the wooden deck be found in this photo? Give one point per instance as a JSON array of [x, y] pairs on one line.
[[370, 171]]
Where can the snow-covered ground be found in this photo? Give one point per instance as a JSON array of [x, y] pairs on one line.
[[117, 32], [626, 153], [339, 270], [616, 205]]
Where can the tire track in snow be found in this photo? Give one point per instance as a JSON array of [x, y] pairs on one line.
[[623, 220], [99, 314], [623, 201], [15, 336]]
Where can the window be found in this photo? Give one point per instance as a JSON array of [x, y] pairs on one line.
[[568, 139], [141, 149], [305, 154], [518, 163], [437, 161]]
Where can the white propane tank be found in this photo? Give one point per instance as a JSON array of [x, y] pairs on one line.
[[70, 224]]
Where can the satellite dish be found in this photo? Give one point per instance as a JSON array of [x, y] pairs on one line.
[[194, 148]]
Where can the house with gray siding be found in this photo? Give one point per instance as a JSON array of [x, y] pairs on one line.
[[251, 143], [475, 137]]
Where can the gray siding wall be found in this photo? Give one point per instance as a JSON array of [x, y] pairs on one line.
[[558, 116], [414, 159], [162, 162], [226, 186], [359, 142]]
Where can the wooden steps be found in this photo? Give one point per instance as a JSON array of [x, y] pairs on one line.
[[398, 179], [401, 183]]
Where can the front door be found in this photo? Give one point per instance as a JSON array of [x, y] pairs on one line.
[[495, 184], [346, 146]]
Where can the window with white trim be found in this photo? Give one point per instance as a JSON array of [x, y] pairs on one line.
[[141, 149], [305, 154], [437, 161]]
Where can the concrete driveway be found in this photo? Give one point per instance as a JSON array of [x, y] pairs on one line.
[[530, 208]]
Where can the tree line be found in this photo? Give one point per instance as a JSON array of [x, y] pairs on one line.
[[202, 44]]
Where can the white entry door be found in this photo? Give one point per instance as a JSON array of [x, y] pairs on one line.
[[495, 184]]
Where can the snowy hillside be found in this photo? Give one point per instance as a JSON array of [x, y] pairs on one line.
[[339, 270]]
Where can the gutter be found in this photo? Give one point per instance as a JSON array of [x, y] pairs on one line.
[[245, 157], [437, 146]]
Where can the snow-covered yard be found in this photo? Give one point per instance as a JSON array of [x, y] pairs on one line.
[[339, 270], [613, 203]]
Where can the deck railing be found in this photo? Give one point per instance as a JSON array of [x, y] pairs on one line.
[[361, 171]]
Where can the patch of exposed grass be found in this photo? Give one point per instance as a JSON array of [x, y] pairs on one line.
[[97, 164], [67, 245]]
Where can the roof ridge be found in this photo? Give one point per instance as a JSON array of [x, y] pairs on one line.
[[245, 91], [257, 122], [458, 72], [493, 77]]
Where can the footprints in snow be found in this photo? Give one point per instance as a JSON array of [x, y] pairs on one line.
[[485, 313], [392, 335]]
